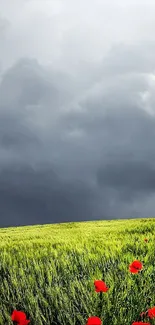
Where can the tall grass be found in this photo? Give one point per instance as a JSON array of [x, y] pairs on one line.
[[48, 271]]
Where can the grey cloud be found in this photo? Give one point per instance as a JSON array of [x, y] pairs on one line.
[[26, 83], [128, 175], [123, 58], [76, 124], [87, 147], [48, 30], [28, 184], [29, 196], [110, 128], [125, 134]]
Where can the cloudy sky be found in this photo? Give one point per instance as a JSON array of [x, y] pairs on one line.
[[77, 110]]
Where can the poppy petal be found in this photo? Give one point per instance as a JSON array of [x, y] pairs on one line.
[[151, 313], [135, 266], [94, 321], [100, 286], [19, 317]]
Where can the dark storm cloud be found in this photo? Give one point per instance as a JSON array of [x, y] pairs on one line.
[[29, 186], [40, 196], [87, 141], [77, 122], [130, 176]]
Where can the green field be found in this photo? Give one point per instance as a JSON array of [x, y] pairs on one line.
[[49, 271]]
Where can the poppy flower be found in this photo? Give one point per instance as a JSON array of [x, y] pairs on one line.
[[146, 240], [151, 312], [135, 266], [100, 286], [19, 317], [94, 321], [140, 323]]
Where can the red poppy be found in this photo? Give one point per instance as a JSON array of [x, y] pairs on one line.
[[19, 317], [94, 321], [100, 286], [135, 266], [151, 312], [140, 323], [146, 240]]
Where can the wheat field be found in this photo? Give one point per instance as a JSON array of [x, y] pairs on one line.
[[49, 271]]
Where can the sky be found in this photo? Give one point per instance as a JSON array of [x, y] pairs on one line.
[[77, 110]]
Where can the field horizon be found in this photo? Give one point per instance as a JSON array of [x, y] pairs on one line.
[[69, 221]]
